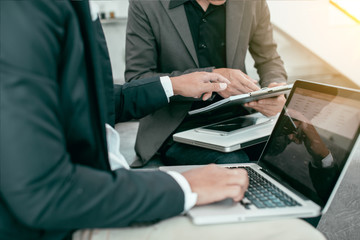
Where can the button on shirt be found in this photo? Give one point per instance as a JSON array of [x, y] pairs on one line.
[[208, 31]]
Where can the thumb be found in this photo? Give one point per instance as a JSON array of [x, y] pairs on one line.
[[206, 96], [213, 87]]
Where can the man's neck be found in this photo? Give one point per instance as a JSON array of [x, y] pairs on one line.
[[204, 4]]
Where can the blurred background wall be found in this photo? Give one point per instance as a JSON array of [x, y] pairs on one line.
[[315, 40]]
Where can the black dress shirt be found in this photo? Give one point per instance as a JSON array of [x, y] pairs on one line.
[[208, 30]]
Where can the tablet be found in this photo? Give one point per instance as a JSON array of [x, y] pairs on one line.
[[244, 98]]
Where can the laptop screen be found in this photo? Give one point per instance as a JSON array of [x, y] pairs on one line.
[[313, 138]]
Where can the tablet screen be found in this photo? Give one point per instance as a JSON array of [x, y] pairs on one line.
[[232, 124]]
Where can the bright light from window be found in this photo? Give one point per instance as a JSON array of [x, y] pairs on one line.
[[349, 7]]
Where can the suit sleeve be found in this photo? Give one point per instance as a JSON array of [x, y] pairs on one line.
[[142, 47], [138, 98], [262, 47], [40, 182]]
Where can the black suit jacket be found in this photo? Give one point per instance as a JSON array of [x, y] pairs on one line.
[[56, 95]]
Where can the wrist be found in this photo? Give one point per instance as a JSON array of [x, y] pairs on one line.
[[174, 83], [223, 72], [190, 197], [218, 70]]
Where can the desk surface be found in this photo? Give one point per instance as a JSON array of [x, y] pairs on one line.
[[324, 30]]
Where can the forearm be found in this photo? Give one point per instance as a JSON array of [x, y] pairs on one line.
[[262, 47], [137, 99], [271, 70], [83, 197]]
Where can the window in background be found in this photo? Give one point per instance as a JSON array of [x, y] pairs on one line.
[[349, 7]]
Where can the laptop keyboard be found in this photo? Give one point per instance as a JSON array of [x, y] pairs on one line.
[[264, 194]]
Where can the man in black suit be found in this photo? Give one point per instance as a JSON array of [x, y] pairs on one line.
[[56, 96], [57, 152]]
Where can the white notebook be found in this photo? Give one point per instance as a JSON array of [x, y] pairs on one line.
[[229, 135]]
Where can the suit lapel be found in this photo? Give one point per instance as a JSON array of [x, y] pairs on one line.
[[179, 19], [234, 19], [95, 84]]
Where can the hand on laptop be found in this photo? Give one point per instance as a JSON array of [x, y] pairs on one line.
[[213, 183], [240, 82], [199, 84], [269, 106]]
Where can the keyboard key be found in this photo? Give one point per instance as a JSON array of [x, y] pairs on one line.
[[263, 194]]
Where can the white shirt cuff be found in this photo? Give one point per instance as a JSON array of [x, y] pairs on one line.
[[327, 161], [116, 159], [167, 86], [190, 197]]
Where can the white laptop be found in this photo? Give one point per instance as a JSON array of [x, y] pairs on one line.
[[303, 162], [235, 133], [229, 135]]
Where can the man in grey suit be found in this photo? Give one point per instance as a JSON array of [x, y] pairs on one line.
[[173, 37]]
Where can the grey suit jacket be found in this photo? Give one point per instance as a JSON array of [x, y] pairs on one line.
[[159, 42], [56, 95]]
